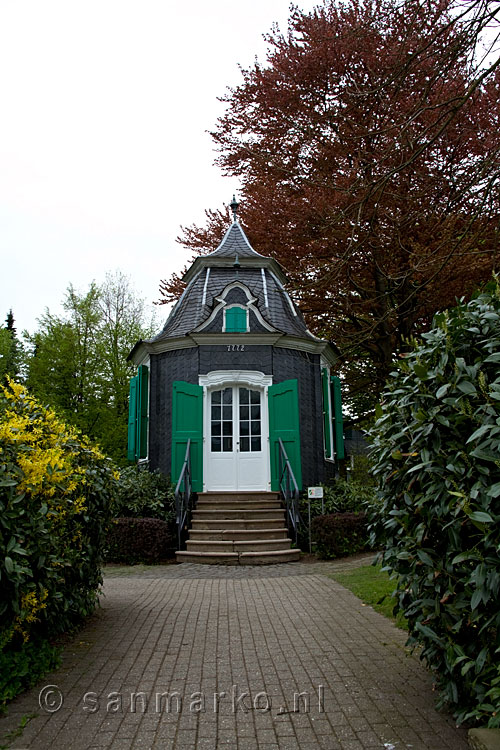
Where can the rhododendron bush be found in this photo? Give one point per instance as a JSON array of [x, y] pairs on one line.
[[436, 452]]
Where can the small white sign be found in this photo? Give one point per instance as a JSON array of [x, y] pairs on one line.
[[313, 492]]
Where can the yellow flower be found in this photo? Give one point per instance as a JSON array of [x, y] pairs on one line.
[[79, 505], [16, 390]]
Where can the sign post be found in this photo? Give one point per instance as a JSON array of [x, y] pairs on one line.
[[314, 492]]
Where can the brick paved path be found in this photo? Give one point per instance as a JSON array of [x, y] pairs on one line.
[[206, 657]]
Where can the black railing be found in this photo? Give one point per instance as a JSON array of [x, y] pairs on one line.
[[289, 491], [184, 496]]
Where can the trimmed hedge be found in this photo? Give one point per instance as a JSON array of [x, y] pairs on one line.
[[141, 540], [339, 534], [436, 449], [144, 494]]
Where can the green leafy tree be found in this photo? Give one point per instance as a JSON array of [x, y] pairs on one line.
[[78, 362], [367, 146]]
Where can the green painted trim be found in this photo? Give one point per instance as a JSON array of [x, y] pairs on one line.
[[142, 411], [338, 421], [327, 444], [132, 419]]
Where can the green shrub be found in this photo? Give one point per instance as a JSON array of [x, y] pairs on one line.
[[360, 471], [141, 540], [339, 534], [436, 450], [21, 668], [55, 496], [341, 496], [144, 494]]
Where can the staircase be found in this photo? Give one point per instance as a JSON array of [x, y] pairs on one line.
[[238, 528]]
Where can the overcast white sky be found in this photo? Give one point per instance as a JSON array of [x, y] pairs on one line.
[[104, 152]]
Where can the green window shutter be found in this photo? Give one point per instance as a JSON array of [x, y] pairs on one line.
[[132, 419], [236, 320], [283, 400], [338, 422], [187, 422], [326, 412], [142, 411]]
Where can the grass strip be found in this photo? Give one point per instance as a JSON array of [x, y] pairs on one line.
[[374, 587]]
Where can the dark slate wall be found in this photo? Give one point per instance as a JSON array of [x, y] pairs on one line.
[[283, 364], [225, 357], [288, 364], [216, 325], [182, 364], [236, 296]]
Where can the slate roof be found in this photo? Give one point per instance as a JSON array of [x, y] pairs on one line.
[[234, 243], [207, 278]]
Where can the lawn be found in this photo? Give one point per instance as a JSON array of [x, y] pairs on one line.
[[374, 587]]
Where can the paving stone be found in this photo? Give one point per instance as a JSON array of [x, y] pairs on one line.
[[335, 674]]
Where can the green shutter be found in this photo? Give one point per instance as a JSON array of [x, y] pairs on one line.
[[284, 423], [325, 382], [236, 320], [142, 412], [187, 422], [138, 415], [338, 422], [132, 419]]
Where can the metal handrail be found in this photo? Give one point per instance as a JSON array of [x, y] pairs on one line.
[[183, 495], [289, 490]]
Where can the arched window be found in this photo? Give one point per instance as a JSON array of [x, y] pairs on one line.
[[235, 319]]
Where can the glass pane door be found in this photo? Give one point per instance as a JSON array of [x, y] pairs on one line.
[[236, 446], [221, 424], [250, 422]]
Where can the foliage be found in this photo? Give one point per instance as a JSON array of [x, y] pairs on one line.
[[342, 496], [359, 472], [374, 587], [339, 534], [56, 492], [141, 540], [21, 668], [11, 350], [367, 146], [78, 362], [436, 448], [144, 494]]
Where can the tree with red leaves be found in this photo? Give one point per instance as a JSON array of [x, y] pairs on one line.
[[368, 149]]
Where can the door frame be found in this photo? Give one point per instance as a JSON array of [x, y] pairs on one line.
[[252, 379]]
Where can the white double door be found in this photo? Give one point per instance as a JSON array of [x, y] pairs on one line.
[[236, 439]]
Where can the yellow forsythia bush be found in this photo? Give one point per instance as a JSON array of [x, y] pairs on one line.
[[56, 495]]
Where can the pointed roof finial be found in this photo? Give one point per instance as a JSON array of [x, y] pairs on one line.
[[234, 205]]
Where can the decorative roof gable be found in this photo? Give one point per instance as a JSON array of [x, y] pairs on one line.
[[211, 283]]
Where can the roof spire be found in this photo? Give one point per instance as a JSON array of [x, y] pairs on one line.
[[234, 205]]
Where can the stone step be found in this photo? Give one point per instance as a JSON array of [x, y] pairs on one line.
[[206, 514], [238, 534], [238, 528], [207, 504], [270, 557], [237, 496], [246, 545], [236, 523]]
